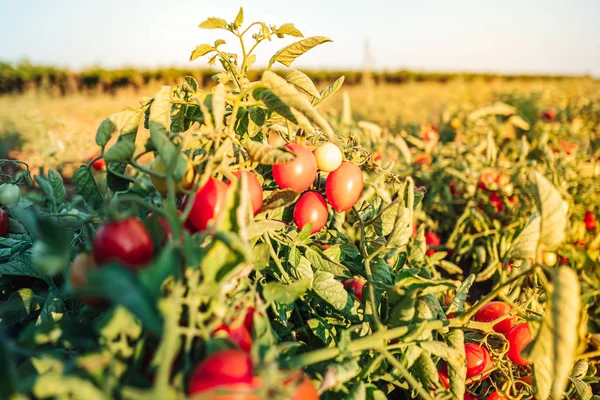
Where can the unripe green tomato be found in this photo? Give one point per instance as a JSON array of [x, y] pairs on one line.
[[329, 157], [45, 261], [10, 195], [549, 258]]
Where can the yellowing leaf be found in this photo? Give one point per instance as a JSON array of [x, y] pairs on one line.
[[302, 81], [218, 105], [213, 23], [288, 54], [239, 20], [554, 349], [201, 50], [329, 90], [550, 205], [525, 245], [289, 29]]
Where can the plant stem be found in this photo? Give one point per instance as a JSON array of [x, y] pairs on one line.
[[370, 281], [275, 258], [406, 375]]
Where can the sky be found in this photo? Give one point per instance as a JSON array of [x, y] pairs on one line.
[[510, 36]]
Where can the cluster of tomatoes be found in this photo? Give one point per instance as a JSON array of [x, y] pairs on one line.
[[479, 361], [496, 184], [343, 186], [590, 220]]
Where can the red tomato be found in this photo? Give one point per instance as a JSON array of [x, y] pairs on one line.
[[590, 220], [489, 364], [486, 179], [443, 374], [496, 202], [344, 186], [249, 319], [502, 180], [208, 204], [311, 207], [355, 286], [126, 242], [431, 135], [3, 222], [494, 310], [305, 390], [477, 357], [432, 240], [238, 335], [99, 164], [518, 338], [496, 396], [229, 370], [298, 174], [469, 396], [254, 188]]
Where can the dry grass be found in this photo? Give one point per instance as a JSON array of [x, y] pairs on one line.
[[53, 130]]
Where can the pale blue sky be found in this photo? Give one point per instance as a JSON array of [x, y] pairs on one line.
[[508, 36]]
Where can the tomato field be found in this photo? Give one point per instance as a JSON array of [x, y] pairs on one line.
[[260, 237]]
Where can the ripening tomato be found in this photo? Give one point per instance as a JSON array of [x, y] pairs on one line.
[[443, 374], [254, 188], [496, 202], [477, 357], [82, 263], [549, 258], [126, 242], [344, 186], [10, 194], [355, 285], [590, 220], [161, 184], [431, 239], [328, 156], [311, 207], [518, 338], [298, 174], [305, 390], [494, 310], [238, 335], [227, 370], [502, 180], [431, 135], [209, 201], [3, 223], [99, 164], [486, 180], [496, 396]]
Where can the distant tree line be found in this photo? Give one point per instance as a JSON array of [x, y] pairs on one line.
[[24, 77]]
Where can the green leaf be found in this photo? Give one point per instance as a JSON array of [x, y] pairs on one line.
[[86, 187], [267, 155], [554, 349], [321, 329], [288, 94], [330, 90], [55, 385], [58, 187], [125, 147], [257, 115], [302, 81], [159, 123], [320, 262], [550, 205], [123, 287], [279, 199], [289, 53], [115, 123], [425, 371], [440, 349], [19, 265], [329, 289], [461, 295], [525, 245], [288, 29], [165, 265], [48, 190], [239, 19], [214, 23], [19, 305], [285, 293], [116, 182]]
